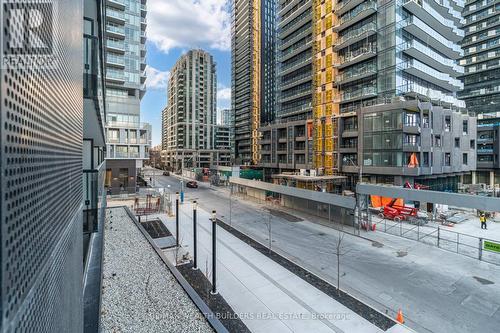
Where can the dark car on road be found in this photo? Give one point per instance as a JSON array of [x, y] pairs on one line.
[[166, 173], [192, 184]]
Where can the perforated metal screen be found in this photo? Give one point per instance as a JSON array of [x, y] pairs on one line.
[[41, 179]]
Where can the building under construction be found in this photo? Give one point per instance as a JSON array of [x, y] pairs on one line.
[[370, 90]]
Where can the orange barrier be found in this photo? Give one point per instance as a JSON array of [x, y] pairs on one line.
[[379, 201]]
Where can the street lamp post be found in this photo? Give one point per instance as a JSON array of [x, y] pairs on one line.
[[195, 262], [214, 252], [230, 205], [177, 219]]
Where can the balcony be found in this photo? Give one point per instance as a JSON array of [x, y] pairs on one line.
[[115, 31], [350, 76], [427, 73], [350, 131], [411, 127], [421, 30], [356, 35], [288, 68], [485, 150], [428, 56], [361, 12], [414, 89], [115, 15], [115, 46], [115, 61], [363, 53], [366, 92], [144, 22], [144, 10], [120, 4], [411, 147], [115, 76], [94, 197], [348, 148], [434, 19], [344, 6]]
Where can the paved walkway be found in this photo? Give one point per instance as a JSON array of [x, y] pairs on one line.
[[268, 297]]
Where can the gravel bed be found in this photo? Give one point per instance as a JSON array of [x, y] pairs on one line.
[[140, 294], [373, 316]]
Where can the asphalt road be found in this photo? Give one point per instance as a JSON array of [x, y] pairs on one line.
[[438, 291]]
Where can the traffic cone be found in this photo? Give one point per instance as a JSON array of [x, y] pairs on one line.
[[399, 317]]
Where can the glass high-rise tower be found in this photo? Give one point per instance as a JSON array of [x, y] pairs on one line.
[[482, 83], [128, 140], [253, 51]]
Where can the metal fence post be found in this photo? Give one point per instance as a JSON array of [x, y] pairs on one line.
[[195, 252], [439, 235], [214, 252], [480, 248], [177, 219]]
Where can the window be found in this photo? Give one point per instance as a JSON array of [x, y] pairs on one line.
[[465, 127], [472, 144], [437, 141], [425, 119], [464, 159], [425, 159], [123, 177], [457, 142], [447, 159], [447, 123]]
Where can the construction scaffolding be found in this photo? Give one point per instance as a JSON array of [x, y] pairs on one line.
[[256, 84], [325, 104]]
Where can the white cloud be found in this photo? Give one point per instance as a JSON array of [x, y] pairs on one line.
[[189, 24], [156, 79], [224, 94]]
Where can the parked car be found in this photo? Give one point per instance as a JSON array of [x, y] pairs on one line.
[[192, 184], [166, 173]]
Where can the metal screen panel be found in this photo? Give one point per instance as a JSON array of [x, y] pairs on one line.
[[41, 178]]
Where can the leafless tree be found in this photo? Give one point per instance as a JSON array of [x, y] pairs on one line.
[[268, 222], [208, 275], [339, 250], [177, 251]]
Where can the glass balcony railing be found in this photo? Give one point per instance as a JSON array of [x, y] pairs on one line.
[[115, 44], [353, 74], [115, 29], [412, 87], [357, 32], [113, 59], [352, 55], [360, 93], [94, 197], [90, 69], [356, 11], [446, 23], [115, 75], [115, 14], [431, 33], [424, 49], [443, 77], [296, 63]]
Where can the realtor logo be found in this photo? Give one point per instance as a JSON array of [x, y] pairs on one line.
[[29, 34]]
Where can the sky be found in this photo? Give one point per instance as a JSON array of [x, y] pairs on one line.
[[174, 27]]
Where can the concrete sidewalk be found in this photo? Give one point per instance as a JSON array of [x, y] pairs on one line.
[[268, 297]]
